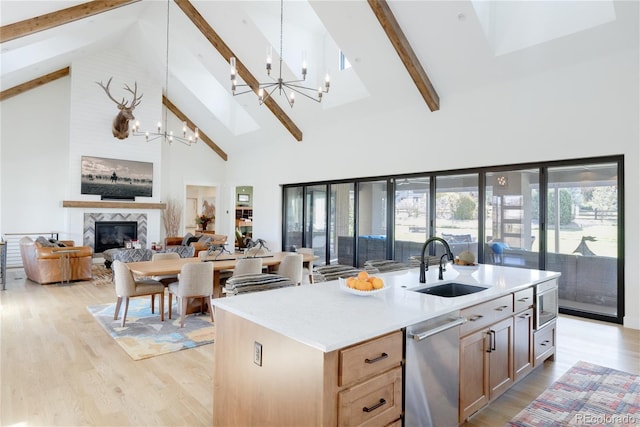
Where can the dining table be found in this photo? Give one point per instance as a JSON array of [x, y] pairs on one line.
[[222, 262]]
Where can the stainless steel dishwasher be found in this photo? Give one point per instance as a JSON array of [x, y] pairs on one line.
[[432, 372]]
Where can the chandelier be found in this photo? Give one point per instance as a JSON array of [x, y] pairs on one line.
[[265, 90], [186, 136]]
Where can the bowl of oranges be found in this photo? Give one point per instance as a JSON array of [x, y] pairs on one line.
[[363, 284]]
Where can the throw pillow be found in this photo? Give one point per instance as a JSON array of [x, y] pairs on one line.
[[499, 247], [191, 240], [185, 240], [57, 243], [44, 242], [205, 238]]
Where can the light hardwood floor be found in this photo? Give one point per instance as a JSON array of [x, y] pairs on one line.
[[58, 367]]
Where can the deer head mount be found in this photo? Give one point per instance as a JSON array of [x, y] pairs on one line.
[[120, 127]]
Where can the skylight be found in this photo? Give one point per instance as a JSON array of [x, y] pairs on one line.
[[513, 25]]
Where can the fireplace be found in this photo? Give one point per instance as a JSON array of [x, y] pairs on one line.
[[113, 234]]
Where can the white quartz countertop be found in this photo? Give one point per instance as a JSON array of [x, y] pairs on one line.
[[324, 316]]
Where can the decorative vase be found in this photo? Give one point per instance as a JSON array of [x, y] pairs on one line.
[[204, 225]]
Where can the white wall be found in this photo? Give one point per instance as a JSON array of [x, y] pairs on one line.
[[588, 109], [47, 130], [35, 159]]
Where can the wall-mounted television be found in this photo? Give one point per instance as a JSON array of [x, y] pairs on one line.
[[116, 179]]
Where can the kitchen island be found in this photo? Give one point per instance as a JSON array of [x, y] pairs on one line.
[[285, 357]]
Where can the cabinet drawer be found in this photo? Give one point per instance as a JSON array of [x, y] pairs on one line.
[[484, 314], [544, 343], [370, 358], [523, 300], [374, 402]]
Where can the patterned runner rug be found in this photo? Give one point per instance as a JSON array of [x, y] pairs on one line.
[[145, 335], [586, 394]]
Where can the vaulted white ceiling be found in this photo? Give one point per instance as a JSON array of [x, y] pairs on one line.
[[462, 45]]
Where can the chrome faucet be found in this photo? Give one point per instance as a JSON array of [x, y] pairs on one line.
[[424, 266]]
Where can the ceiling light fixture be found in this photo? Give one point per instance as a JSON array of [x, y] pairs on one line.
[[188, 136], [265, 90]]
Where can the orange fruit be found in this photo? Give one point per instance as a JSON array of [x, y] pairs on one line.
[[363, 275], [363, 285], [351, 282], [377, 283]]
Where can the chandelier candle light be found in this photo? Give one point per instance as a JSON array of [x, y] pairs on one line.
[[187, 137], [265, 90]]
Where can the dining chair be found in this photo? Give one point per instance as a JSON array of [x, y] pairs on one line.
[[307, 272], [169, 278], [196, 281], [291, 267], [247, 266], [127, 286]]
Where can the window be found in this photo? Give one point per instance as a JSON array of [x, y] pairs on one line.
[[343, 62]]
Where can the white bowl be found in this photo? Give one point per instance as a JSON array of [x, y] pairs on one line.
[[464, 269], [344, 287]]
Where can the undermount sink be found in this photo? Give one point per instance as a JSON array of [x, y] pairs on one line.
[[452, 289]]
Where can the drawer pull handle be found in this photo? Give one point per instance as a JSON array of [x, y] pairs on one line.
[[502, 307], [544, 343], [524, 316], [475, 317], [523, 299], [377, 359], [374, 407]]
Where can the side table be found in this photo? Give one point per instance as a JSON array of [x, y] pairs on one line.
[[65, 264]]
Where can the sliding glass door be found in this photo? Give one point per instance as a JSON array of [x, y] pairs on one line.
[[456, 216], [511, 218], [582, 236], [292, 206], [411, 217], [341, 224], [372, 221], [564, 216]]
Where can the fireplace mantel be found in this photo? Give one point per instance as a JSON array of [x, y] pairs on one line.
[[111, 205]]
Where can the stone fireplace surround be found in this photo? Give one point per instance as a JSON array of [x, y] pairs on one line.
[[89, 227]]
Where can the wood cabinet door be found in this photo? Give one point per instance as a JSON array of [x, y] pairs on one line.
[[474, 379], [522, 344], [500, 357]]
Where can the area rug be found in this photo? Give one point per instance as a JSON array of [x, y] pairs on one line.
[[586, 394], [145, 335], [101, 275]]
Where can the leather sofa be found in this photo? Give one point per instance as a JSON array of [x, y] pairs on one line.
[[200, 243], [43, 264]]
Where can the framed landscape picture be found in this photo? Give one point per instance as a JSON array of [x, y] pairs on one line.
[[115, 178]]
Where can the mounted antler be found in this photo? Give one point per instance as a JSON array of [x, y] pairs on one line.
[[120, 126]]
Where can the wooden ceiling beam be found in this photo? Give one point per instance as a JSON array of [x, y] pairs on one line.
[[226, 52], [180, 115], [405, 51], [60, 17], [31, 84]]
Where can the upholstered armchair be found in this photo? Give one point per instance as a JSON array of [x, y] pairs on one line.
[[43, 261]]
